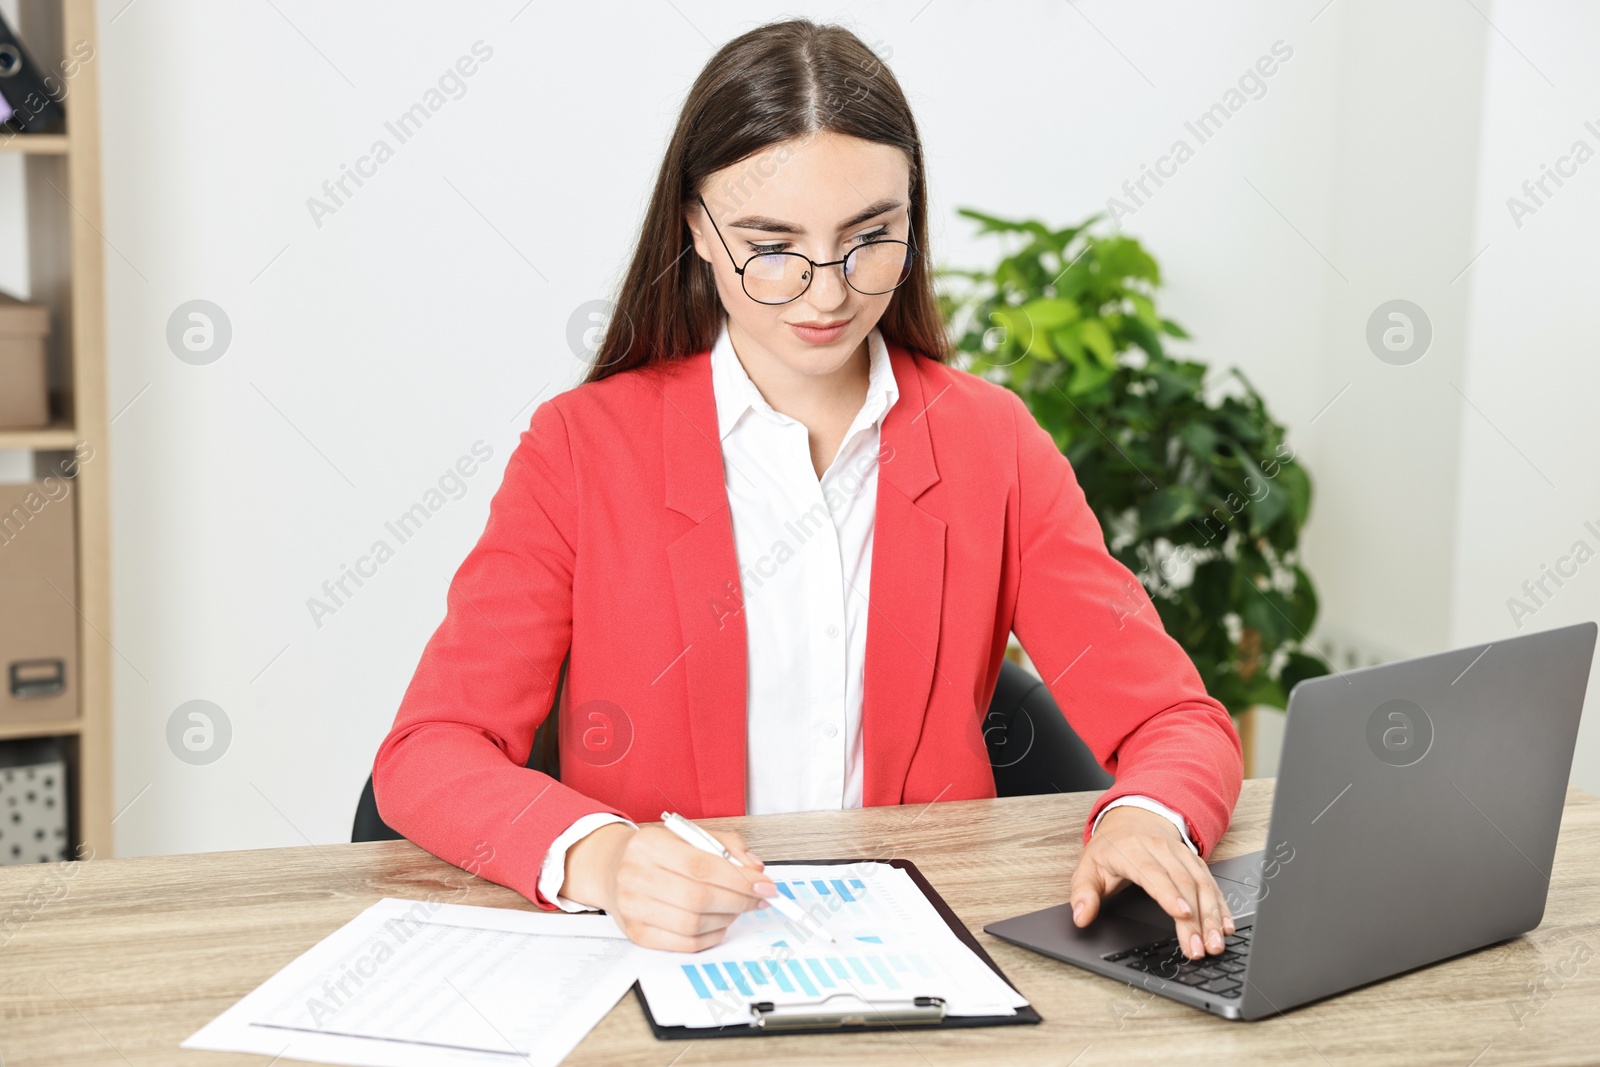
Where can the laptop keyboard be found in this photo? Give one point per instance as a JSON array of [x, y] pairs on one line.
[[1221, 975]]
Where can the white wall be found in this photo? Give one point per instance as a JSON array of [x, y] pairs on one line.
[[1383, 448], [372, 351], [1528, 484]]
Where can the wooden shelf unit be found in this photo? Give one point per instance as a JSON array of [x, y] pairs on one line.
[[10, 731], [66, 272], [57, 437], [40, 144]]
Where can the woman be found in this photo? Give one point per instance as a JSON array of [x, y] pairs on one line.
[[784, 544]]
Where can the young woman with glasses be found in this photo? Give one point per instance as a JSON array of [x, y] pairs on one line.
[[780, 544]]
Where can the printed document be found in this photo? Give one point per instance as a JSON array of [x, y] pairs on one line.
[[894, 946], [409, 983]]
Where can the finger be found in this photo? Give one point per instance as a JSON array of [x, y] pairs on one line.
[[1228, 923], [1191, 929], [1212, 907], [1110, 866], [684, 859], [703, 866], [1210, 899], [1144, 869], [665, 900], [1091, 881], [648, 935], [734, 843], [1231, 900], [685, 922], [701, 898], [644, 884]]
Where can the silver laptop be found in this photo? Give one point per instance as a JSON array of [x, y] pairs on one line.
[[1415, 819]]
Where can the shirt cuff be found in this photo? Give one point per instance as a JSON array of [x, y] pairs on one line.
[[1138, 800], [553, 870]]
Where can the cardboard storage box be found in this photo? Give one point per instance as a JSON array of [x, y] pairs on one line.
[[38, 594], [33, 802], [24, 392]]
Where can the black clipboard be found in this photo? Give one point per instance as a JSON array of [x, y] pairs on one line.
[[924, 1013]]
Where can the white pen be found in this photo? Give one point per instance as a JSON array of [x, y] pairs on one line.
[[699, 838]]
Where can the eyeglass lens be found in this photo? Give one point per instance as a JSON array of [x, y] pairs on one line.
[[873, 268]]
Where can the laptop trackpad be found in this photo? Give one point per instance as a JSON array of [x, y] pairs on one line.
[[1134, 903]]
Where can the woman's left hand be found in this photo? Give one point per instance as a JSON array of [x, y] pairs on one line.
[[1139, 846]]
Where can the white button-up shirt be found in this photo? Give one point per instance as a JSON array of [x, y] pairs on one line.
[[805, 565], [804, 549]]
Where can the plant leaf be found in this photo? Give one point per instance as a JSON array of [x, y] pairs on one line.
[[1168, 507], [1097, 339], [1297, 488], [1088, 377], [1298, 667], [1049, 313], [1200, 439], [1145, 310], [1267, 507], [1085, 346]]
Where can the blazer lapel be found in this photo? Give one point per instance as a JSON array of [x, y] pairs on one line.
[[705, 579], [907, 590]]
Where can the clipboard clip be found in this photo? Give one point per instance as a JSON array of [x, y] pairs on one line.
[[819, 1015]]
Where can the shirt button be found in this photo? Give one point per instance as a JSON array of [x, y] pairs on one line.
[[833, 631], [830, 730]]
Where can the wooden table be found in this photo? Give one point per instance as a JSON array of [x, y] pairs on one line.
[[122, 960]]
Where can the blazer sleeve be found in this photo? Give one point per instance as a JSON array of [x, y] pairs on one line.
[[450, 775], [1124, 684]]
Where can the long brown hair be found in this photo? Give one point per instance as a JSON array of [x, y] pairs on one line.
[[779, 81]]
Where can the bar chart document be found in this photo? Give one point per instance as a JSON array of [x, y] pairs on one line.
[[412, 982], [894, 946]]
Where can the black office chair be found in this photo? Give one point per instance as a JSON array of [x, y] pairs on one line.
[[1032, 750]]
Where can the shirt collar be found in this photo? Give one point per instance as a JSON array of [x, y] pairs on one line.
[[736, 393]]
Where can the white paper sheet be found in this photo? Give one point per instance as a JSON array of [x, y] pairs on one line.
[[409, 983], [895, 946]]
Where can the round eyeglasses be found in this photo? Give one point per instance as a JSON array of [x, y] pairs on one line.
[[876, 267]]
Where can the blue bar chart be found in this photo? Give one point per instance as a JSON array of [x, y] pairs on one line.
[[887, 944], [868, 969], [848, 890], [844, 905]]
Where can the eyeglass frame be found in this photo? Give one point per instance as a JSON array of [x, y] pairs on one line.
[[815, 266]]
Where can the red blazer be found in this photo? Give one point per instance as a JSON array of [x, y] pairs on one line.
[[610, 535]]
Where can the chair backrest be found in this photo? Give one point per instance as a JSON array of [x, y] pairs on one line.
[[1032, 750], [544, 756]]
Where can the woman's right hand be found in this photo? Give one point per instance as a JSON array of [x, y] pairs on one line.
[[662, 891]]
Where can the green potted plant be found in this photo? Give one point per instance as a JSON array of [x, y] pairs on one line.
[[1192, 480]]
